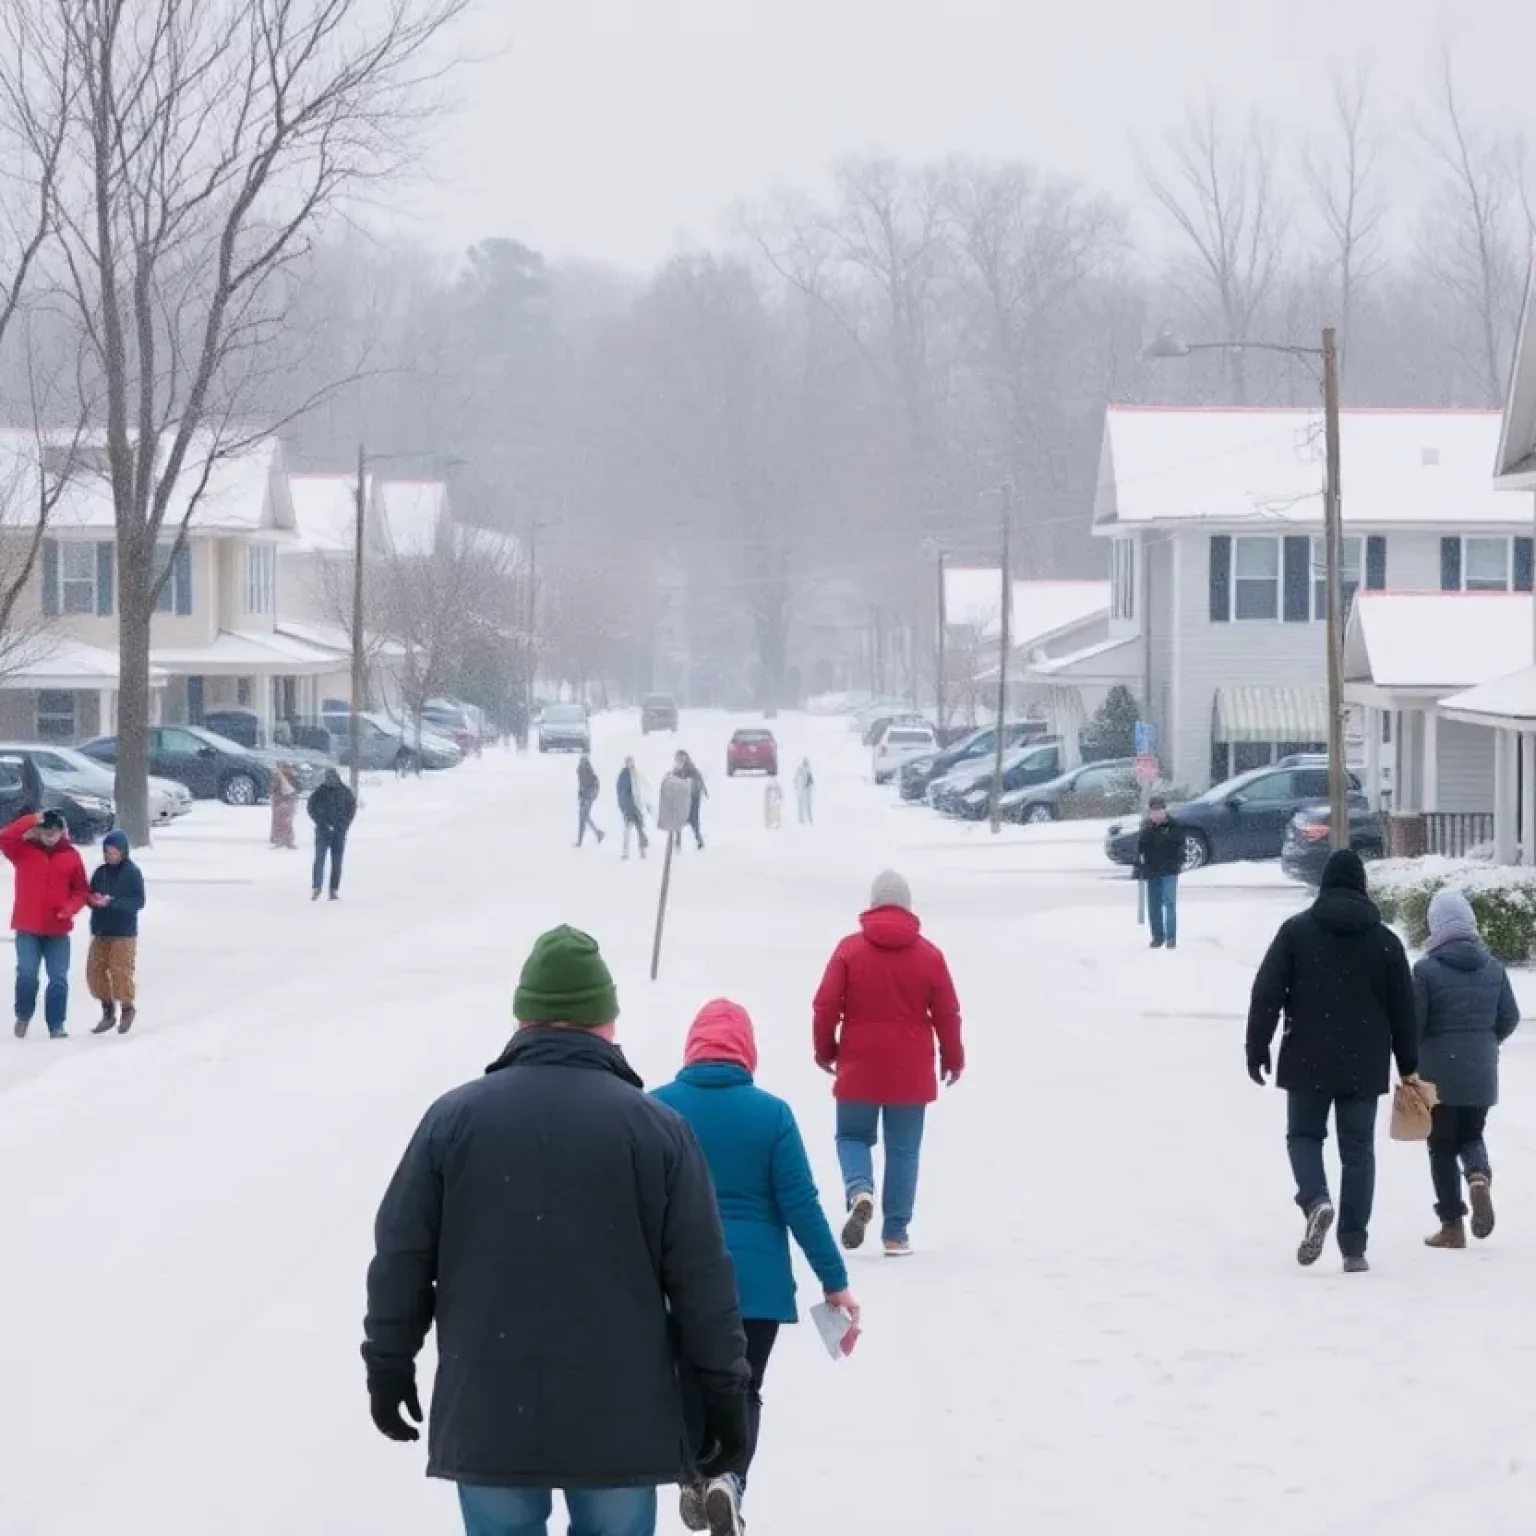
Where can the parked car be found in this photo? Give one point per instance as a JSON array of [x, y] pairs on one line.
[[210, 765], [658, 712], [751, 750], [86, 814], [865, 716], [70, 771], [459, 722], [969, 794], [1241, 818], [1306, 846], [385, 744], [899, 742], [1042, 802], [919, 772], [241, 725], [565, 728], [877, 725]]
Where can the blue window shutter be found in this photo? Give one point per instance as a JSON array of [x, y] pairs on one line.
[[1221, 578], [181, 578], [1376, 563], [104, 574], [1296, 608], [50, 578], [1523, 552], [1450, 564]]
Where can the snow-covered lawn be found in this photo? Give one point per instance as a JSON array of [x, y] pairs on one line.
[[1103, 1330]]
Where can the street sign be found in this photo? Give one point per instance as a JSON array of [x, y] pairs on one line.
[[1145, 740], [1146, 770]]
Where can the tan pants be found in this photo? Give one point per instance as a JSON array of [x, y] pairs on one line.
[[109, 969]]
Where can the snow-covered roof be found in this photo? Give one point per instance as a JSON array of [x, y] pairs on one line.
[[413, 511], [1515, 467], [1118, 657], [1436, 640], [240, 651], [325, 513], [973, 600], [332, 637], [1398, 468], [1507, 700], [52, 660]]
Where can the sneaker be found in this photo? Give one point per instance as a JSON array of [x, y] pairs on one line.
[[108, 1020], [722, 1506], [1173, 943], [1356, 1264], [1319, 1224], [690, 1506], [335, 895], [314, 895], [1480, 1193], [898, 1248], [130, 1013], [1452, 1234], [1155, 944], [860, 1214], [58, 1034], [22, 1026]]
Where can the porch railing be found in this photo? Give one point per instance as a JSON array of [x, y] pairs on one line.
[[1456, 833]]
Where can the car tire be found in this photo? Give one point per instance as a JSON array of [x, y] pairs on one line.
[[1197, 852], [239, 789], [730, 772], [1034, 815]]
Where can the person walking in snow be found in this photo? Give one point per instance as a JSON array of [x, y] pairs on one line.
[[558, 1227], [805, 786], [773, 805], [116, 899], [587, 786], [331, 807], [1340, 978], [1466, 1010], [884, 1003], [51, 889], [1159, 859], [631, 793], [685, 768], [763, 1184], [285, 798]]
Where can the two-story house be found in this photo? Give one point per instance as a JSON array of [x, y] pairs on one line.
[[1217, 572]]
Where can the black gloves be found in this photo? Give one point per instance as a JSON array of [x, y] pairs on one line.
[[387, 1395], [1259, 1066], [725, 1436]]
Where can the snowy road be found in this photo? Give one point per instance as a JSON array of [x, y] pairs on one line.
[[1103, 1330]]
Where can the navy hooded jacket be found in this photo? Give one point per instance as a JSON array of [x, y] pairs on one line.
[[124, 883]]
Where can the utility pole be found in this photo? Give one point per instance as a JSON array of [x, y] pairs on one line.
[[1005, 637], [943, 625], [1333, 531], [530, 650], [359, 670]]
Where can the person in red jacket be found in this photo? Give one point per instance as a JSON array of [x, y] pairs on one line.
[[51, 889], [884, 1001]]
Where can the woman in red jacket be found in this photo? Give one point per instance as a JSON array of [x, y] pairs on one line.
[[884, 1001]]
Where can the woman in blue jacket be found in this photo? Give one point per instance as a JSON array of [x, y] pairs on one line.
[[766, 1194]]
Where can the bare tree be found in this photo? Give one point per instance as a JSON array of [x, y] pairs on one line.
[[204, 146], [1222, 196]]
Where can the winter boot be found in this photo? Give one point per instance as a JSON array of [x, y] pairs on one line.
[[108, 1020], [130, 1013], [690, 1506], [860, 1214], [898, 1248], [1319, 1224], [335, 895], [314, 895], [1356, 1264], [1155, 944], [58, 1034], [722, 1506], [1452, 1234], [1480, 1193]]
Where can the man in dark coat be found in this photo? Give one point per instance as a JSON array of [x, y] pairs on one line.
[[549, 1217], [1159, 859], [1340, 977], [331, 807], [587, 786]]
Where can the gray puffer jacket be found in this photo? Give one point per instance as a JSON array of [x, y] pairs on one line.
[[1466, 1010]]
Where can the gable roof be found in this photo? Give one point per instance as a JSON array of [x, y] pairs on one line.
[[1515, 465], [325, 514], [1504, 701], [1435, 640], [1414, 468], [412, 513], [1041, 609]]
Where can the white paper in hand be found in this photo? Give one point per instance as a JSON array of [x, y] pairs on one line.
[[838, 1331]]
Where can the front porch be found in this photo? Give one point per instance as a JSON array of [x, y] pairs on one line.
[[62, 690], [1069, 689], [1503, 715]]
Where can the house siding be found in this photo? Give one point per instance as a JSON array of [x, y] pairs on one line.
[[1159, 602], [1465, 767]]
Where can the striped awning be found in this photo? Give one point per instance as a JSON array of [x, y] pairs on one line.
[[1271, 714]]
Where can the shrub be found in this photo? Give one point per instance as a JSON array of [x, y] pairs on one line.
[[1503, 900], [1112, 731]]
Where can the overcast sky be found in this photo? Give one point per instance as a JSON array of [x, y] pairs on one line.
[[624, 130]]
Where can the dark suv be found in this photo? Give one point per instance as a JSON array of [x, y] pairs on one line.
[[658, 712], [210, 765]]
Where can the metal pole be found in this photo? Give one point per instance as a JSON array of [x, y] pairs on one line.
[[1005, 636], [661, 902], [1338, 783], [359, 671], [943, 625]]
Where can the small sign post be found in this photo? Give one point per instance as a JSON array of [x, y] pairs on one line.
[[1144, 743], [1146, 771], [673, 802]]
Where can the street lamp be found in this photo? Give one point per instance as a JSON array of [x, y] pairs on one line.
[[1168, 344]]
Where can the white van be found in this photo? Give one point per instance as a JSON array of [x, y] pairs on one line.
[[898, 743]]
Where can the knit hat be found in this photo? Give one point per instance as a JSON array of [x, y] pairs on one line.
[[1451, 919], [890, 890], [53, 821], [565, 981], [722, 1032], [118, 840], [1343, 872]]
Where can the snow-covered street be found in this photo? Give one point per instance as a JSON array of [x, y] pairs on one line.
[[1103, 1329]]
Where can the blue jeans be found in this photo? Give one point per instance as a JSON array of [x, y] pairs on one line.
[[1306, 1129], [858, 1129], [1163, 908], [332, 840], [525, 1511], [33, 952]]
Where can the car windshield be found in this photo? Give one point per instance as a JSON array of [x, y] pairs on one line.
[[1229, 787], [752, 738], [565, 714], [657, 701], [213, 739], [910, 738]]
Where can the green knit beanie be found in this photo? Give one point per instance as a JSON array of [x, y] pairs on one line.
[[565, 981]]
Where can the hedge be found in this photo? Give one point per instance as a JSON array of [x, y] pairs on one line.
[[1503, 899]]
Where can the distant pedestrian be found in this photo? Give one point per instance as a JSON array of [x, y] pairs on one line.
[[51, 889], [685, 768], [331, 807], [1339, 977], [1466, 1010], [773, 805], [630, 789], [884, 1005], [763, 1183], [285, 798], [1159, 859], [805, 791], [116, 899], [587, 787]]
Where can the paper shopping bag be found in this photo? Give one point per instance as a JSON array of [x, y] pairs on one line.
[[1412, 1106]]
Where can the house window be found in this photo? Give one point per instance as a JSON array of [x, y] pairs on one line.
[[1485, 565], [77, 577], [56, 714], [175, 594], [260, 578], [1122, 570], [243, 692], [1350, 567], [1255, 578]]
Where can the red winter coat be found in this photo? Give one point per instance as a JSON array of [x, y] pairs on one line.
[[51, 887], [885, 997]]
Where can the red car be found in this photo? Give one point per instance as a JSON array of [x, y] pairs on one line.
[[752, 752]]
